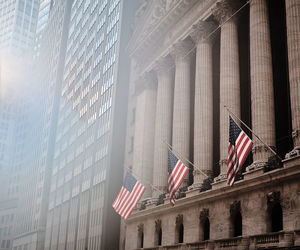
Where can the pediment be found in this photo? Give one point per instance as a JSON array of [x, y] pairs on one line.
[[148, 17]]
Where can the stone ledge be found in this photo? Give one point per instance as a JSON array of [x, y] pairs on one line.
[[291, 170]]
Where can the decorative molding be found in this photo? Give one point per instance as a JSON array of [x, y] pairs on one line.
[[224, 9], [289, 202], [201, 31]]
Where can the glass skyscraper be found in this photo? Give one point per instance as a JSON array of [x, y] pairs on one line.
[[18, 20], [90, 137]]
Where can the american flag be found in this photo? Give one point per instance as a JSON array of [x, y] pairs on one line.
[[128, 197], [238, 149], [177, 172]]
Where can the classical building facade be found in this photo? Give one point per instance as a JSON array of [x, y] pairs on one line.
[[190, 60]]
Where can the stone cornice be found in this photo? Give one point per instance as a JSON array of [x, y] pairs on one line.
[[167, 32], [291, 171], [163, 13]]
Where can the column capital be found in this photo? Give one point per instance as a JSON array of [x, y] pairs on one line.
[[146, 81], [163, 64], [201, 31], [224, 9], [181, 49]]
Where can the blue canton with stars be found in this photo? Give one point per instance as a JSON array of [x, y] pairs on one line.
[[172, 161], [129, 182], [234, 131]]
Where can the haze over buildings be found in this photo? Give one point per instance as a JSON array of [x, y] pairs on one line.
[[90, 89]]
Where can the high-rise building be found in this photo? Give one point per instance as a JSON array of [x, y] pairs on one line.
[[9, 185], [88, 158], [44, 11], [192, 59], [18, 20], [44, 99], [14, 130]]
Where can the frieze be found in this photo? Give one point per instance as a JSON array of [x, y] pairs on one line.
[[157, 9]]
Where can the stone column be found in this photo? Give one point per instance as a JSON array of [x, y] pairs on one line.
[[163, 126], [144, 131], [203, 123], [262, 94], [293, 40], [229, 75], [182, 96]]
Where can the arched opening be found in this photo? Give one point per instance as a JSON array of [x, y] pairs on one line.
[[237, 225], [206, 229], [180, 233], [179, 230], [276, 218], [159, 237], [140, 236], [158, 233]]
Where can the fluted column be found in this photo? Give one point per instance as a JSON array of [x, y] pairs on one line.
[[229, 74], [144, 131], [262, 94], [163, 126], [203, 123], [182, 96], [293, 39]]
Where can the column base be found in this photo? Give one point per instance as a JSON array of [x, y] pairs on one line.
[[294, 153], [193, 190], [220, 181], [151, 203], [143, 204], [254, 170]]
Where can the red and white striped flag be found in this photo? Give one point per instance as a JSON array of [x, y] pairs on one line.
[[129, 196], [177, 172], [238, 149]]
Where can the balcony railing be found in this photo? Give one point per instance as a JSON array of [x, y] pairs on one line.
[[274, 240], [266, 239]]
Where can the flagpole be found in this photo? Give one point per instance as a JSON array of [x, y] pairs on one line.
[[177, 154], [147, 182], [253, 133]]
